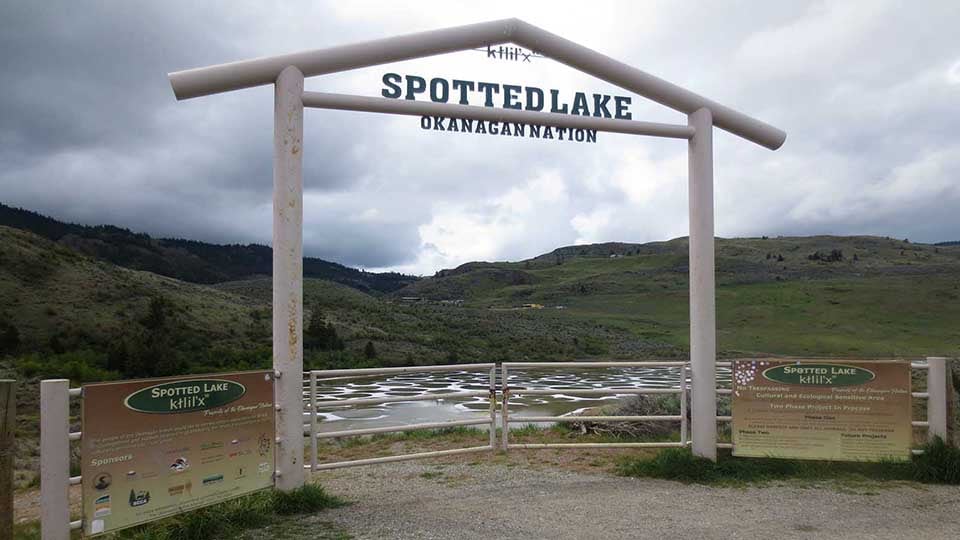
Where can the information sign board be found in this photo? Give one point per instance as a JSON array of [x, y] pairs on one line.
[[823, 409], [152, 448]]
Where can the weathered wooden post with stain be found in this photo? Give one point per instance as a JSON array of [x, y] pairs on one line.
[[937, 397], [8, 428]]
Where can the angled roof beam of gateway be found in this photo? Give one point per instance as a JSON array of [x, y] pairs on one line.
[[262, 71]]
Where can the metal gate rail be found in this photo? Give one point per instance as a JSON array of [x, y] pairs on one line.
[[507, 391], [313, 406]]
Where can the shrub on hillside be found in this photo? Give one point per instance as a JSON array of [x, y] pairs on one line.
[[78, 366], [641, 405]]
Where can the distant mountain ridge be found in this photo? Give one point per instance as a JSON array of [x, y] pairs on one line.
[[188, 260], [625, 268]]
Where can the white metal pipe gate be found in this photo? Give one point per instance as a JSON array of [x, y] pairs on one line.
[[55, 434], [507, 390], [314, 406]]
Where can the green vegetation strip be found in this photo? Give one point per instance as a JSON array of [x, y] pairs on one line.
[[939, 464], [224, 520]]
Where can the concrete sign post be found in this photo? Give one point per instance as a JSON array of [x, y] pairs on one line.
[[286, 72]]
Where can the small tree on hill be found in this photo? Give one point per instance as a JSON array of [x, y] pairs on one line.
[[321, 335], [369, 351], [9, 338], [159, 312]]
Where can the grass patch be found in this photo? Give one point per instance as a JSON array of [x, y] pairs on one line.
[[232, 517], [303, 500], [940, 463], [223, 520]]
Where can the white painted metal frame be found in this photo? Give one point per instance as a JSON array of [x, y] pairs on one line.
[[314, 406], [507, 391], [286, 72], [55, 434], [55, 479]]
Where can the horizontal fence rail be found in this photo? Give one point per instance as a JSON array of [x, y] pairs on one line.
[[56, 437], [313, 406], [507, 391]]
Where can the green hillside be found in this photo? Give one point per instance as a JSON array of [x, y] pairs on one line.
[[57, 298], [853, 296], [850, 296]]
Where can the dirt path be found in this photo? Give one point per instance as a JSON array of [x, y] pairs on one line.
[[466, 501]]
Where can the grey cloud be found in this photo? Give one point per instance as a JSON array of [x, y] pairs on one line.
[[89, 129]]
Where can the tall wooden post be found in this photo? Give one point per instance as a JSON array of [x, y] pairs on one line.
[[8, 428], [703, 316], [288, 275], [937, 397]]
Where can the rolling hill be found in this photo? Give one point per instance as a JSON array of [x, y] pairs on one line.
[[187, 260], [824, 295], [51, 292], [848, 296]]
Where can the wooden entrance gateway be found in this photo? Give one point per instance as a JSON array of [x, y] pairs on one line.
[[287, 72]]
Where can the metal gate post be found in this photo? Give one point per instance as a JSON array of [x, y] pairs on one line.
[[703, 321], [504, 409], [313, 421], [55, 459], [288, 275], [683, 405], [493, 409]]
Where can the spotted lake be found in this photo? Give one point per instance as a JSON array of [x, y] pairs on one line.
[[416, 384]]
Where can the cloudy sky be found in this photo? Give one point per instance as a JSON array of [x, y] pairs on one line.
[[868, 93]]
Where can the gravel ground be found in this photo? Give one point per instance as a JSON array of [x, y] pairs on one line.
[[484, 501]]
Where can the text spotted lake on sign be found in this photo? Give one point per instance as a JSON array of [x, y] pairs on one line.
[[819, 374], [184, 396]]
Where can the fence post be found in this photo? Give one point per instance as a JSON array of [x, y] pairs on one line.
[[55, 459], [937, 400], [8, 429], [313, 421], [493, 409], [683, 405], [504, 412]]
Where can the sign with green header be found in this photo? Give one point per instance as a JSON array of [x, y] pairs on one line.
[[819, 374], [817, 409], [153, 448], [185, 396]]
